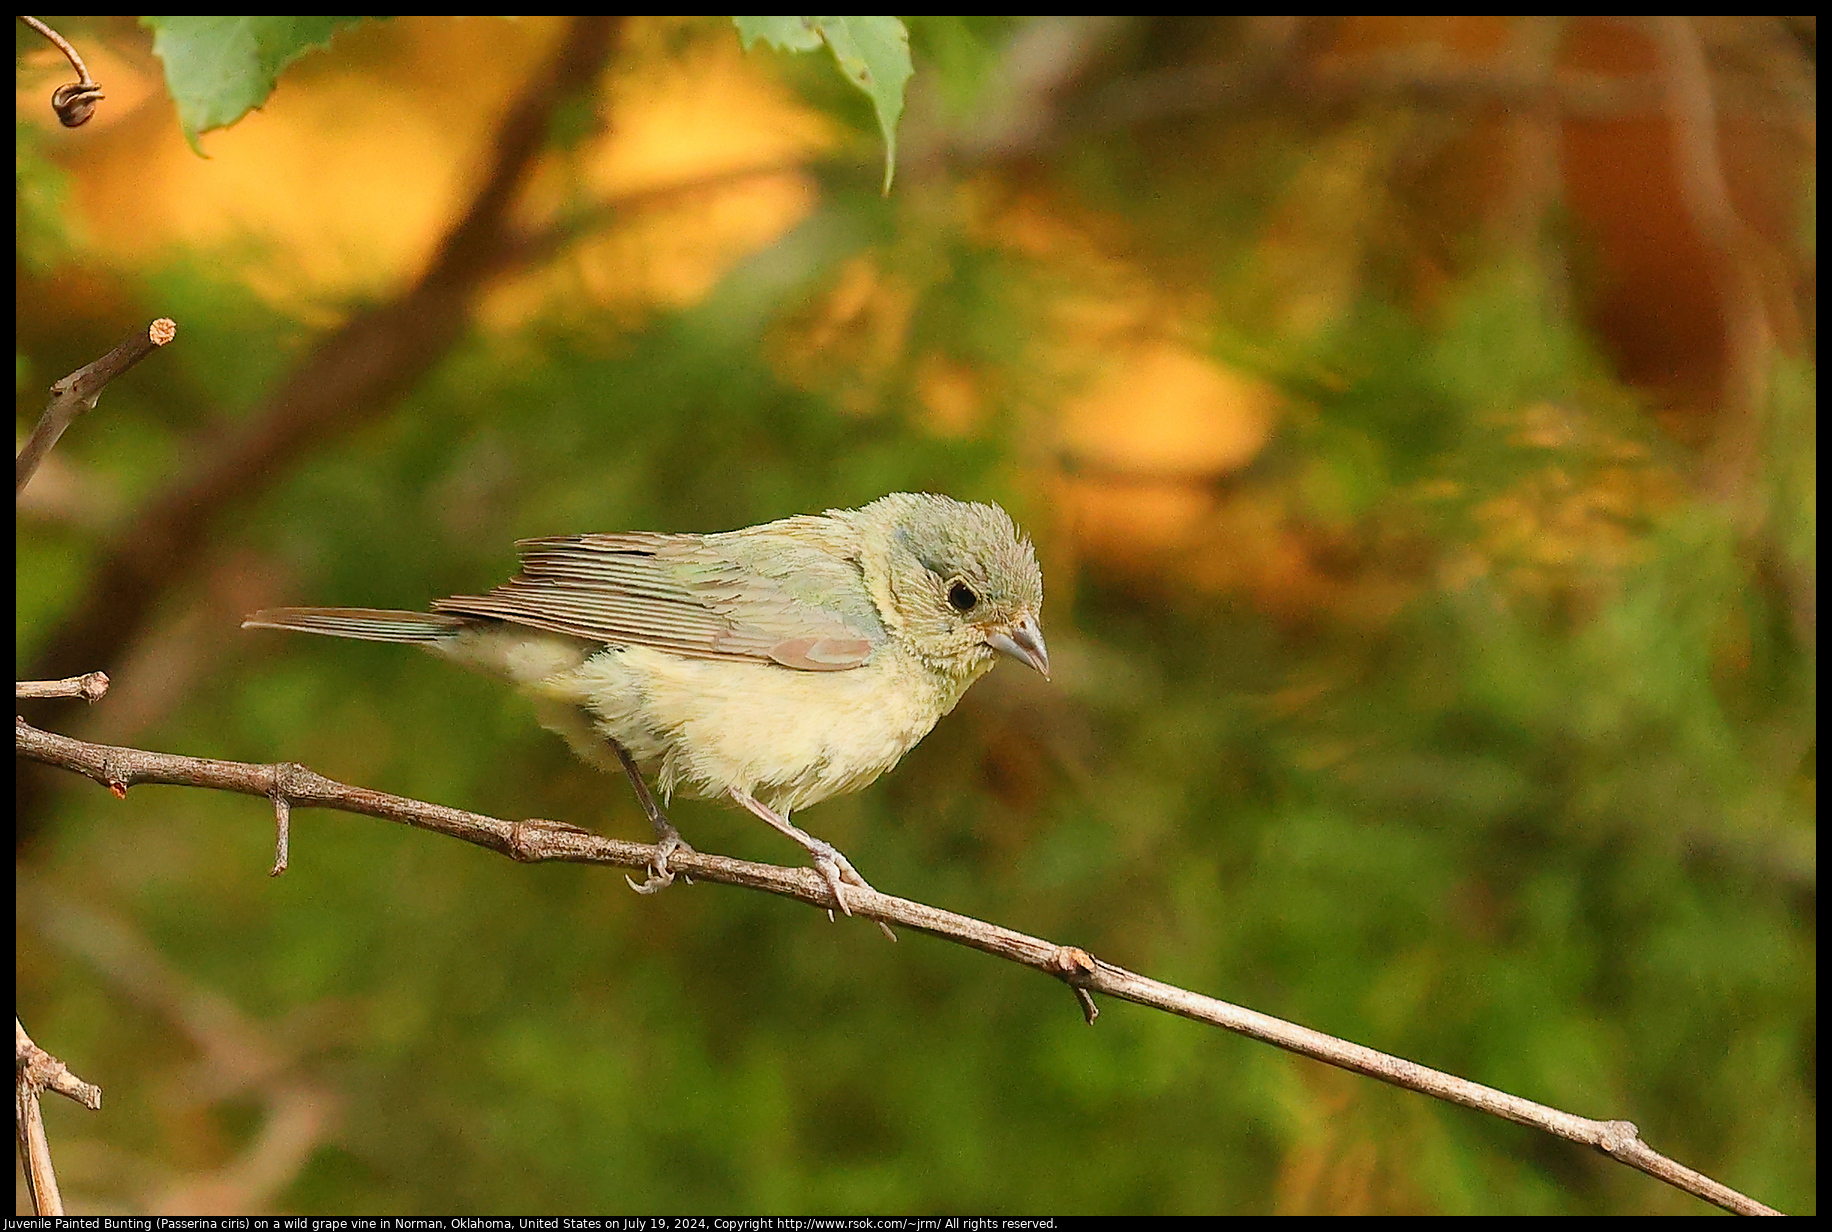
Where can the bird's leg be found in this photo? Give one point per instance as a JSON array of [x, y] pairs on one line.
[[833, 866], [667, 838]]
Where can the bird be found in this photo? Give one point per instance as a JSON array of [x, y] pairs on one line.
[[775, 666]]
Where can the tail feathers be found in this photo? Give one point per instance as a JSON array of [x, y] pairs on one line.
[[367, 623]]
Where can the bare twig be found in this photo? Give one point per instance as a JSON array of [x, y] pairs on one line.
[[47, 1073], [37, 1071], [75, 101], [78, 392], [35, 1150], [536, 841], [90, 686]]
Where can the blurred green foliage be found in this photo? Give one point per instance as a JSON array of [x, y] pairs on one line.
[[1546, 820]]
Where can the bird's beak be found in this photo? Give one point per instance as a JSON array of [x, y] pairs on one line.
[[1023, 642]]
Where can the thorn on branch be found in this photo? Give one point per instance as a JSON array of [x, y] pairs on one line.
[[283, 815], [1072, 965]]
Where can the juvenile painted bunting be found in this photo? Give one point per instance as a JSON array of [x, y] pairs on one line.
[[776, 665]]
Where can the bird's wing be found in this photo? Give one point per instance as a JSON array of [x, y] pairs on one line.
[[764, 598]]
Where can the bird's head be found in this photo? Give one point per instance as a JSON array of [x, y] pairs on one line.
[[955, 580]]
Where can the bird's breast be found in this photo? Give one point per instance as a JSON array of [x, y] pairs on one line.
[[791, 738]]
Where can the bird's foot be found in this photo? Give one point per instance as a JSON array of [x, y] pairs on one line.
[[835, 869], [668, 840]]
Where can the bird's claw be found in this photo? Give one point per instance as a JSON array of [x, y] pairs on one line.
[[653, 882], [660, 875], [837, 871]]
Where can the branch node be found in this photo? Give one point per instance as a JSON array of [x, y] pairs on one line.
[[284, 777], [526, 838], [113, 771], [38, 1071], [1619, 1138]]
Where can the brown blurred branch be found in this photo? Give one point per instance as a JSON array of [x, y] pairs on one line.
[[1281, 58], [1288, 58], [74, 102], [532, 246], [1533, 154], [35, 1072], [1406, 77], [1736, 252], [350, 377], [536, 841], [1759, 316], [79, 391]]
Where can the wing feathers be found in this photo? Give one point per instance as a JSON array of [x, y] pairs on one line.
[[679, 593], [365, 623]]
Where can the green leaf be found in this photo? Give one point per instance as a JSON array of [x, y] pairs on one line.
[[218, 69], [782, 33], [873, 53]]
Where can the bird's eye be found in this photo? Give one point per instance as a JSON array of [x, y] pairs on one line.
[[961, 596]]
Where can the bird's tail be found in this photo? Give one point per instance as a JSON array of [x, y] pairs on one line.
[[367, 623]]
